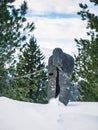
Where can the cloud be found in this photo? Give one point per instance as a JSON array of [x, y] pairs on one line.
[[59, 28], [58, 31], [48, 6]]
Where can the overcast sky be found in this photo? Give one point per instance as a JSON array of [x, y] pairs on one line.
[[57, 23]]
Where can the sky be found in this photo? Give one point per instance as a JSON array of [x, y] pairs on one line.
[[56, 23], [18, 115]]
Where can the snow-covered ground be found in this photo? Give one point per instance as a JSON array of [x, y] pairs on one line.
[[16, 115]]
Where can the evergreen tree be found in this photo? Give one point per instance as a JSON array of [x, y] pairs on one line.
[[14, 30], [31, 72], [86, 63]]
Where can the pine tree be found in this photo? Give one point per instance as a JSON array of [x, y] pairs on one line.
[[31, 72], [86, 63], [14, 30]]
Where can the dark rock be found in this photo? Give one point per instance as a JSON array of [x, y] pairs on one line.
[[60, 68]]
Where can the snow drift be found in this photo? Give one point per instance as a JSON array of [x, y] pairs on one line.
[[17, 115]]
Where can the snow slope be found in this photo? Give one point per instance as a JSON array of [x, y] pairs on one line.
[[16, 115]]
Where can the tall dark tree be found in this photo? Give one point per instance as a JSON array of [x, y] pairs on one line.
[[31, 72], [86, 63]]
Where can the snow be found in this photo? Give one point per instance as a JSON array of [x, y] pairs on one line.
[[18, 115]]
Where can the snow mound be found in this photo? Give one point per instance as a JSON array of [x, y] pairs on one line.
[[17, 115]]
